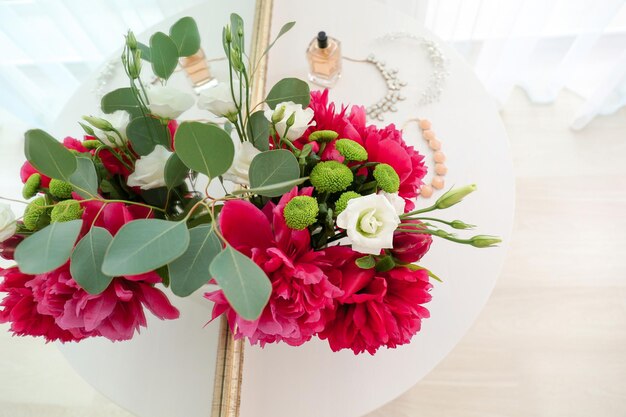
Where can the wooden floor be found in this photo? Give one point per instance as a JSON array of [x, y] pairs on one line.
[[551, 341]]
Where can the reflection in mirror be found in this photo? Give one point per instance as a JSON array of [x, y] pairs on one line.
[[80, 53]]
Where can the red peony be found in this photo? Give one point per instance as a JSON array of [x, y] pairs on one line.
[[383, 145], [376, 308], [54, 306], [302, 294]]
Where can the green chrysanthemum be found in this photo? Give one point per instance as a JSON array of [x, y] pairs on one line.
[[351, 150], [331, 177], [31, 186], [92, 144], [323, 135], [301, 212], [387, 178], [65, 211], [60, 189], [342, 202], [36, 215]]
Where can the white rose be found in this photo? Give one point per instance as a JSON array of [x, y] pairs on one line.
[[150, 169], [370, 222], [119, 120], [7, 222], [396, 201], [168, 102], [238, 172], [219, 99], [301, 123]]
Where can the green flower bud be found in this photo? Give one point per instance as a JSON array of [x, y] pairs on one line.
[[60, 189], [92, 144], [331, 177], [131, 41], [291, 120], [342, 202], [31, 186], [36, 215], [387, 178], [323, 136], [351, 150], [66, 211], [278, 114], [458, 224], [226, 35], [454, 196], [88, 130], [484, 241], [301, 212], [99, 123]]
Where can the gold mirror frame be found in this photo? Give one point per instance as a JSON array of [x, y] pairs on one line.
[[230, 352]]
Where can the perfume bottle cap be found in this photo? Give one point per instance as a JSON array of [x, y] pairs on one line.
[[322, 40]]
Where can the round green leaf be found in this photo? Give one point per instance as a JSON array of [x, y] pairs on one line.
[[259, 130], [175, 171], [289, 89], [163, 55], [47, 249], [85, 178], [273, 167], [121, 99], [204, 148], [87, 258], [244, 283], [191, 270], [48, 155], [145, 245], [186, 36], [144, 133]]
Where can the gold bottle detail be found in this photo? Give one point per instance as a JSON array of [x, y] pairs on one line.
[[324, 56]]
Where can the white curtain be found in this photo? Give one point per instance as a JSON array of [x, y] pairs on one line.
[[541, 45]]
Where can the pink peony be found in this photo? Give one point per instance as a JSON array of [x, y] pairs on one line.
[[376, 308], [410, 247], [302, 295], [54, 306], [383, 145]]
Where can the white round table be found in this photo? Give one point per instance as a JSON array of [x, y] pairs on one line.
[[167, 371]]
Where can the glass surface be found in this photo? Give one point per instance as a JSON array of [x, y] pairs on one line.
[[52, 50]]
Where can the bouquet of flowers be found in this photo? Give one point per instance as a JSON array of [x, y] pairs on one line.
[[301, 215]]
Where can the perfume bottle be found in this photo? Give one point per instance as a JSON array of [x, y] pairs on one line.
[[324, 56], [197, 69]]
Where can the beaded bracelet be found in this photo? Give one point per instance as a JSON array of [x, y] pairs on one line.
[[439, 158]]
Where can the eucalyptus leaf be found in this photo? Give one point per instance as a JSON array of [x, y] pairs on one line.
[[289, 89], [244, 283], [121, 99], [85, 178], [87, 258], [286, 28], [236, 25], [259, 130], [270, 190], [48, 248], [164, 55], [204, 148], [144, 133], [186, 36], [175, 171], [144, 245], [191, 270], [273, 167], [48, 155]]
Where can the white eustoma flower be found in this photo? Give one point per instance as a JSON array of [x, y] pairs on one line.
[[396, 201], [219, 99], [119, 120], [239, 170], [301, 123], [150, 169], [7, 222], [168, 102], [370, 222]]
